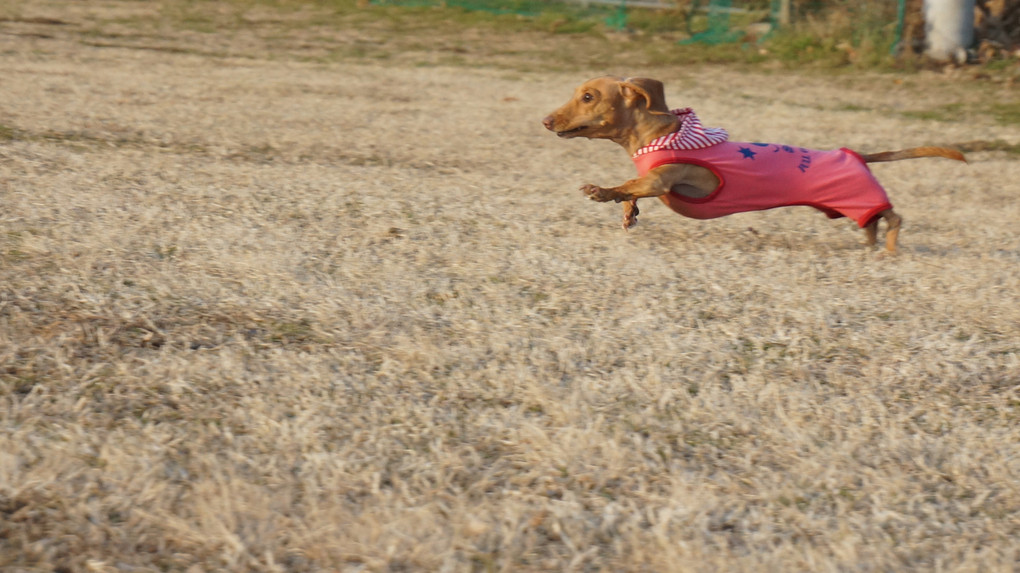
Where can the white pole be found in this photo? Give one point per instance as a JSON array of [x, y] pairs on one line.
[[949, 29]]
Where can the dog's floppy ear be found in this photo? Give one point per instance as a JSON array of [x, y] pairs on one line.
[[634, 89]]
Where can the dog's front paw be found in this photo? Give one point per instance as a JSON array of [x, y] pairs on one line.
[[630, 213], [596, 193]]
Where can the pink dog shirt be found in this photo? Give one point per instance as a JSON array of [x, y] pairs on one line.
[[759, 176]]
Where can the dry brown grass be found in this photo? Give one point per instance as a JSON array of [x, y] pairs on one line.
[[264, 313]]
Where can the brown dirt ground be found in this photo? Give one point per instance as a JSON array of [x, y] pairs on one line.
[[268, 312]]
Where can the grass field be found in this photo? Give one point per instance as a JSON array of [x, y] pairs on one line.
[[309, 288]]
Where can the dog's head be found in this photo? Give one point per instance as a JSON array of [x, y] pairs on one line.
[[604, 107]]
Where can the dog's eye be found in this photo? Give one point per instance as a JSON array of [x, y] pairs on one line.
[[586, 98]]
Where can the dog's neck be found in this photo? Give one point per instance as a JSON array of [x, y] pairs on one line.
[[648, 127]]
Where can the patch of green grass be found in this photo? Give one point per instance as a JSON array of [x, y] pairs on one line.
[[165, 253], [948, 112], [293, 331], [16, 256], [8, 133], [838, 50], [794, 46], [1003, 113], [515, 15], [983, 145], [656, 21], [10, 253], [1006, 113], [1003, 65], [196, 17], [687, 54], [851, 107]]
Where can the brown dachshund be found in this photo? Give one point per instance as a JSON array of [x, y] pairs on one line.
[[699, 173]]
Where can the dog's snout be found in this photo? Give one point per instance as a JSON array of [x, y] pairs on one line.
[[548, 122]]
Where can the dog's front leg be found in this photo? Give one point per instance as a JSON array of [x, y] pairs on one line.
[[602, 195], [629, 191], [605, 194], [630, 213], [656, 182]]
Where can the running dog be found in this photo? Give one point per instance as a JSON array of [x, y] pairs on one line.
[[697, 172]]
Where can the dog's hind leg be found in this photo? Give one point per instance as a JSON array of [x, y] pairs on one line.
[[892, 232], [871, 232]]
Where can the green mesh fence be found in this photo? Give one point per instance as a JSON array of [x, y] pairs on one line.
[[720, 22], [612, 14], [717, 24], [708, 21]]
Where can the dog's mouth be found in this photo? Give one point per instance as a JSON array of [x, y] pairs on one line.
[[571, 132]]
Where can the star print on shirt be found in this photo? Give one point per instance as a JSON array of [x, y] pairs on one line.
[[747, 153]]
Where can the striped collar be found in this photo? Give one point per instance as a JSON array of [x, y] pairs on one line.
[[691, 135]]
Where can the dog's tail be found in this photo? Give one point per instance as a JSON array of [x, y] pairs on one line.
[[913, 153]]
